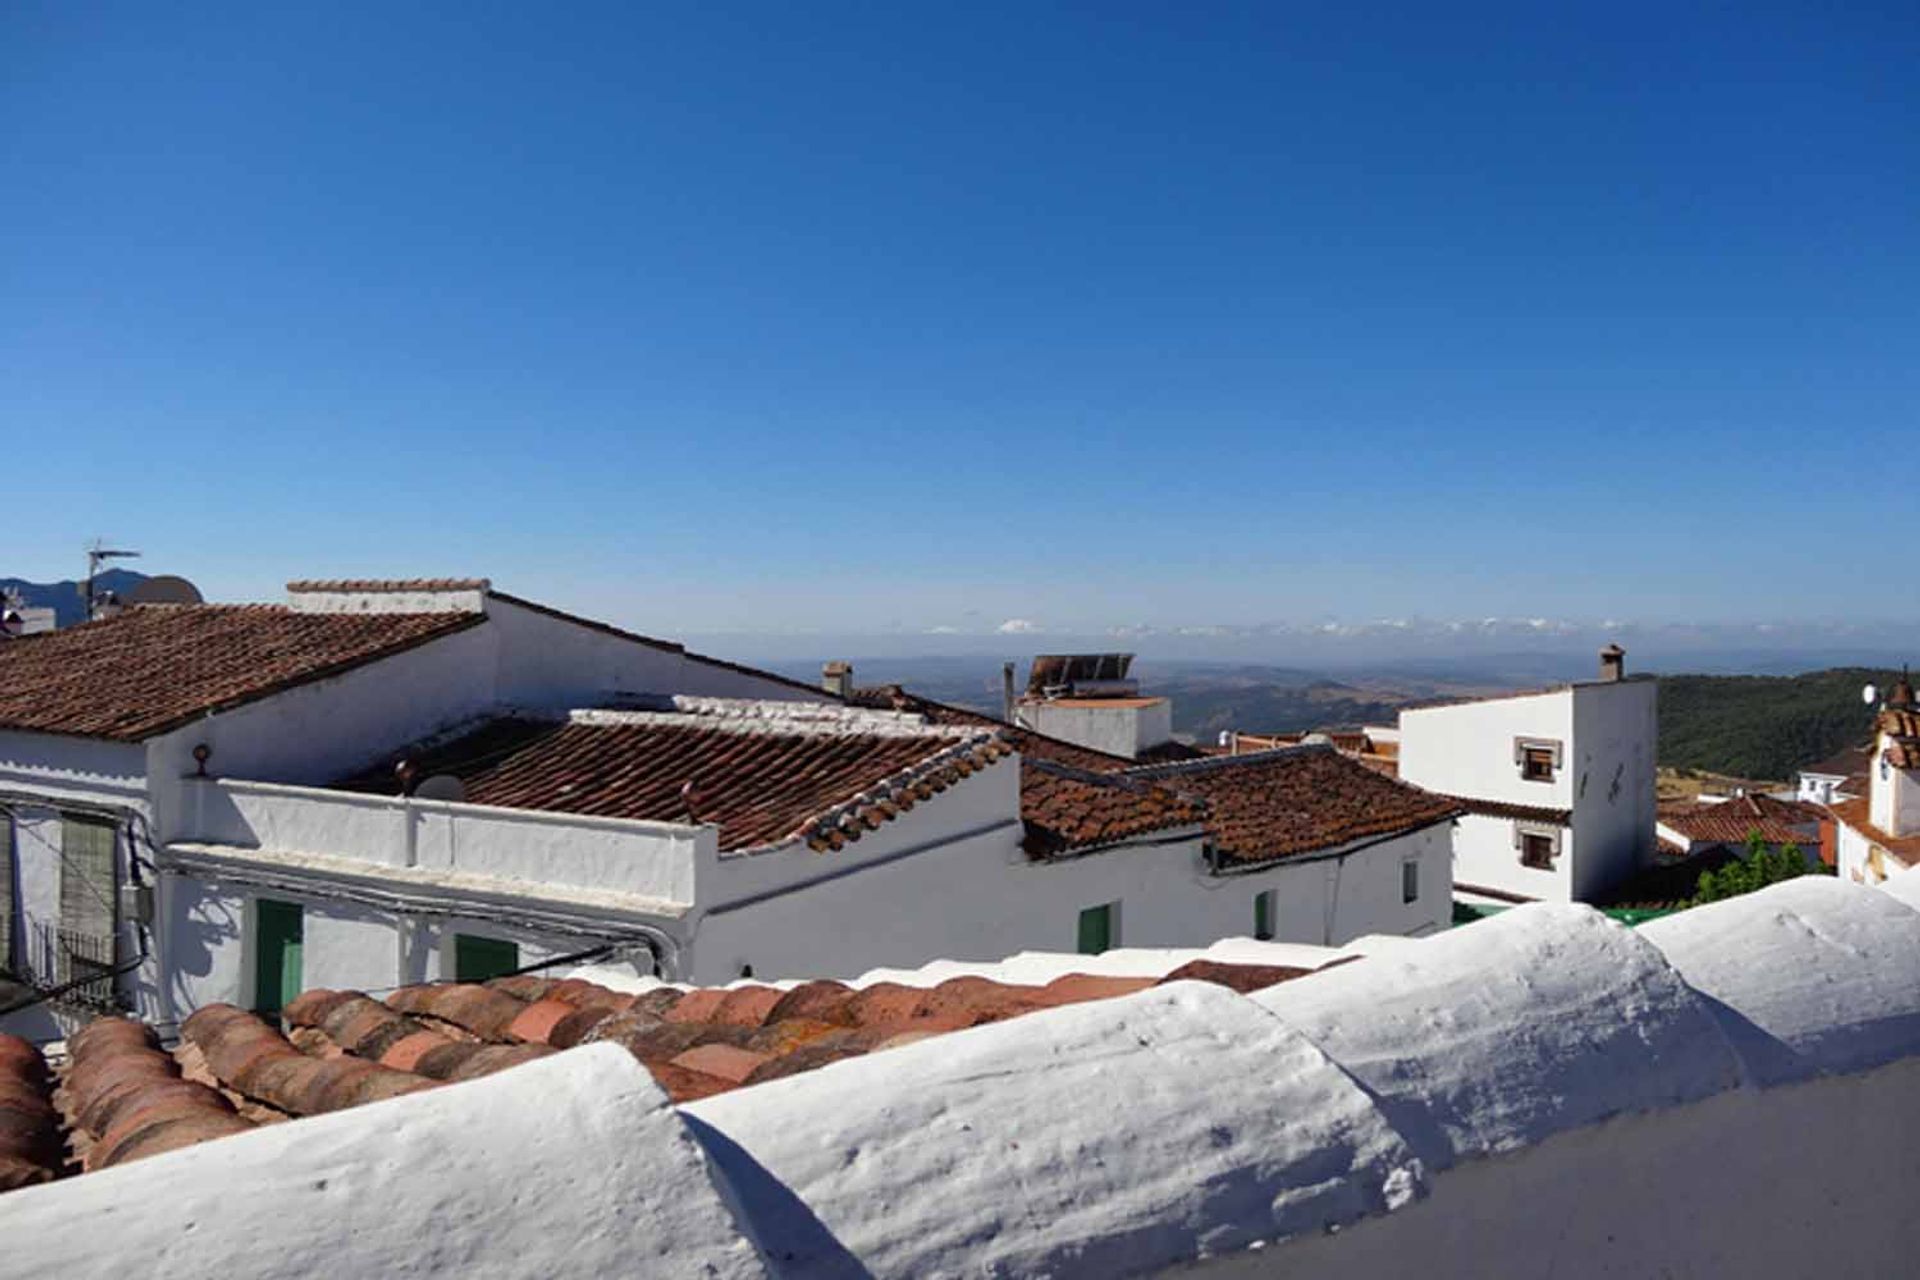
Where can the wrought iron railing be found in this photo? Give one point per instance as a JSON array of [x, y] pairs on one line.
[[77, 968]]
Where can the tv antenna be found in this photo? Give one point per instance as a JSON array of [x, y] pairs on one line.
[[99, 554]]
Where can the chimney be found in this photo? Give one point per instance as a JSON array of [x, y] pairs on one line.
[[837, 679], [1006, 692], [1613, 663]]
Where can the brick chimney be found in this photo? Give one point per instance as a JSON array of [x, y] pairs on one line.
[[1613, 663], [837, 679]]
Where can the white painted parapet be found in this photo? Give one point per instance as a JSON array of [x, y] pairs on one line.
[[573, 1165], [1542, 1019], [653, 860], [1812, 977], [1113, 1138], [1733, 1091]]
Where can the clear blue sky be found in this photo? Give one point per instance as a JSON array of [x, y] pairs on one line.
[[901, 316]]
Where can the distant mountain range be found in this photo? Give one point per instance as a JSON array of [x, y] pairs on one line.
[[1750, 726], [64, 597]]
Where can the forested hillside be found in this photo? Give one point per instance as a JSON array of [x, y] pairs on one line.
[[1763, 726]]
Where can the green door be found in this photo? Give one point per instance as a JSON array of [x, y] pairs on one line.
[[279, 931], [1096, 930], [477, 959]]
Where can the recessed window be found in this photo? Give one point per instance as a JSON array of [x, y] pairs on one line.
[[1098, 929], [1538, 758], [1537, 850], [1410, 881], [1263, 915], [477, 959]]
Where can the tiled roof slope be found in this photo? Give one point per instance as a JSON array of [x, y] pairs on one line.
[[122, 1097], [1067, 809], [811, 777], [1261, 807], [1858, 814], [151, 668], [1296, 800], [1733, 821], [1523, 812]]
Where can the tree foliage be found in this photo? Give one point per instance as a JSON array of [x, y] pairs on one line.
[[1760, 866], [1763, 726]]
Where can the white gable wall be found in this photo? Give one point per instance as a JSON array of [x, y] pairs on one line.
[[1467, 749]]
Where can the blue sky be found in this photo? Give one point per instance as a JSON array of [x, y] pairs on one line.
[[903, 318]]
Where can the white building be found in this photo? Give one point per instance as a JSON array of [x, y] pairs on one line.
[[110, 732], [1559, 784], [384, 783], [1879, 833], [1090, 699], [1842, 776]]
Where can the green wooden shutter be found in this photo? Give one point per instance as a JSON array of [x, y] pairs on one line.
[[478, 959], [279, 938], [1096, 930]]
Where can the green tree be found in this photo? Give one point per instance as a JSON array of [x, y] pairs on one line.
[[1760, 866]]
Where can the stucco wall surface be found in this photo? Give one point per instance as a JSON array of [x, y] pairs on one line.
[[574, 1165], [1541, 1092]]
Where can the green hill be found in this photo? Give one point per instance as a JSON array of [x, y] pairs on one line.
[[1763, 726]]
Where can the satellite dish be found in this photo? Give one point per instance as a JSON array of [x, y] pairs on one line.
[[166, 589], [441, 786], [1868, 694]]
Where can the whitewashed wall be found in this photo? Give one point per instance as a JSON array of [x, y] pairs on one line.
[[1607, 732], [1117, 730], [980, 897], [1761, 1054], [1467, 749], [627, 856], [1615, 728], [1485, 856]]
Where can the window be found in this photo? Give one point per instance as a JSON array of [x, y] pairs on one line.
[[1537, 850], [1096, 929], [1538, 758], [1263, 915], [84, 938], [7, 861], [279, 935], [478, 959], [1410, 880]]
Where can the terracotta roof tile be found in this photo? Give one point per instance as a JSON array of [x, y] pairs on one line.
[[1733, 821], [125, 1097], [154, 667], [1858, 815], [726, 1061], [1522, 812], [1258, 807], [762, 782], [1297, 800], [1068, 810]]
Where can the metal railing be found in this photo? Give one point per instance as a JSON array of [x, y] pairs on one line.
[[75, 968]]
